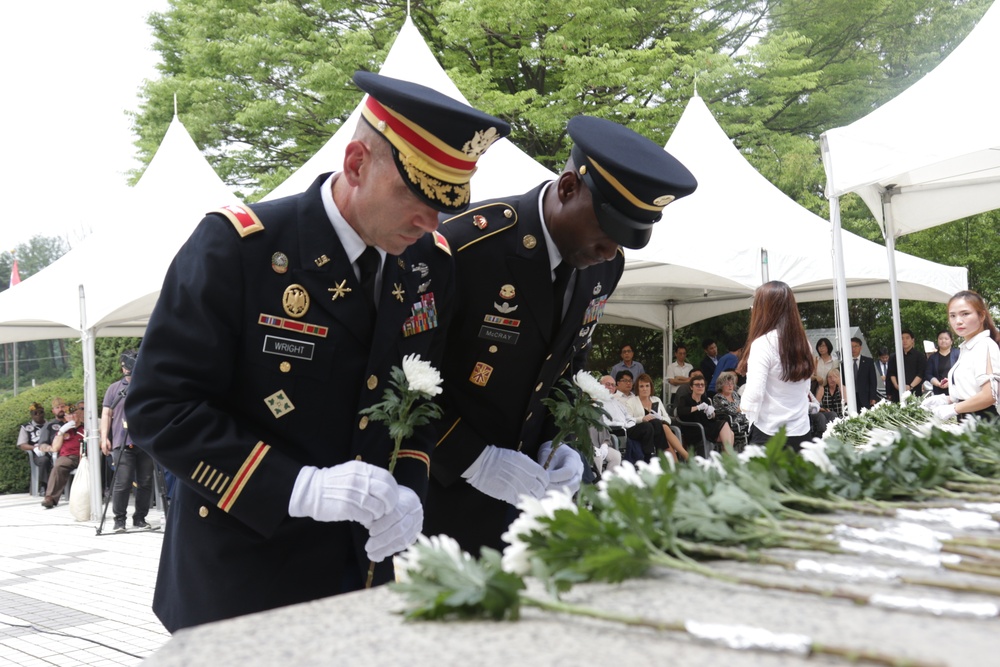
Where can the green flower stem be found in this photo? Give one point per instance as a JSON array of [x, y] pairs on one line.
[[952, 586], [939, 492], [993, 489], [732, 553], [851, 655], [990, 558], [980, 542], [835, 505], [973, 568]]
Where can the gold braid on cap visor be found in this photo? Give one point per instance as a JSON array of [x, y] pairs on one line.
[[622, 190]]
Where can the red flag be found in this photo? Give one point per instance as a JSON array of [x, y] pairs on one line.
[[15, 277]]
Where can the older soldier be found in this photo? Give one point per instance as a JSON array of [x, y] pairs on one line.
[[535, 272], [275, 326]]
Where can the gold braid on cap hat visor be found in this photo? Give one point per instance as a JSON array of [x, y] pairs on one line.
[[425, 151], [622, 190]]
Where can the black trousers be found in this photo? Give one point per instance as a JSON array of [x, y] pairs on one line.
[[758, 437], [134, 464]]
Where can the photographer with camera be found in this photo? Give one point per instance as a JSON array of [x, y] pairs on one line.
[[130, 462]]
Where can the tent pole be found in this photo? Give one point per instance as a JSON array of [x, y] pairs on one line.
[[889, 232], [90, 418], [840, 302], [668, 349]]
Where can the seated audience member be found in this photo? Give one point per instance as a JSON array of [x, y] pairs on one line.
[[31, 438], [605, 449], [628, 363], [727, 404], [65, 446], [641, 430], [696, 408], [833, 399], [664, 438], [685, 389]]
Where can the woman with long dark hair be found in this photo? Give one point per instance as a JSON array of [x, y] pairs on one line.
[[972, 381], [778, 364]]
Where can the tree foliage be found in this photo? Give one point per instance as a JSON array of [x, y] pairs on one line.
[[262, 84]]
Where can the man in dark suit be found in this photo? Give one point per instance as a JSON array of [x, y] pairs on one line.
[[709, 361], [534, 274], [274, 327], [865, 379]]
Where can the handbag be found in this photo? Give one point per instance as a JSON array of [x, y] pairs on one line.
[[79, 493]]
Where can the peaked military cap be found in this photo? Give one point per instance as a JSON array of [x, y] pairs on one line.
[[630, 178], [435, 139]]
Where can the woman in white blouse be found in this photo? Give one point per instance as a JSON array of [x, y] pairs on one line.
[[971, 388], [778, 364]]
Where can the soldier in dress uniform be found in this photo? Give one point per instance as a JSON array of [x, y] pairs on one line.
[[275, 326], [534, 274]]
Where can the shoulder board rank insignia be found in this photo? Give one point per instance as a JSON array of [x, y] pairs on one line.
[[244, 220], [441, 242]]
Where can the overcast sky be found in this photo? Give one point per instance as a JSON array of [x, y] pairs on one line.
[[69, 70]]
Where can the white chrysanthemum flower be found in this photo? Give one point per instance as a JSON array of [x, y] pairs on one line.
[[586, 382], [713, 462], [421, 375], [516, 555], [410, 560], [883, 437], [751, 452], [653, 468], [815, 453]]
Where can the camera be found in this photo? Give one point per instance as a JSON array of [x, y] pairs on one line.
[[128, 359]]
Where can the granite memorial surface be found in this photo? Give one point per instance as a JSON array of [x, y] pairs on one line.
[[956, 623]]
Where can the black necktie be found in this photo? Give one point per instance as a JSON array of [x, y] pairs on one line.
[[857, 363], [368, 264], [563, 274]]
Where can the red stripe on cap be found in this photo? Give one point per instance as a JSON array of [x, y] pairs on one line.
[[415, 140]]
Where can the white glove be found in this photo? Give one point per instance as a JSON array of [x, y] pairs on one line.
[[703, 407], [398, 529], [710, 411], [352, 491], [602, 451], [507, 475], [813, 408], [68, 426], [944, 412], [565, 469], [934, 401]]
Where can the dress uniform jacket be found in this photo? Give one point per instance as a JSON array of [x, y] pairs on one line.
[[503, 357], [258, 357]]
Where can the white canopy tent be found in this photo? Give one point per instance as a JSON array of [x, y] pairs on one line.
[[928, 156], [737, 231], [118, 271], [503, 170]]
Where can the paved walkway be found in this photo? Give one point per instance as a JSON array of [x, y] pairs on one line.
[[70, 597]]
